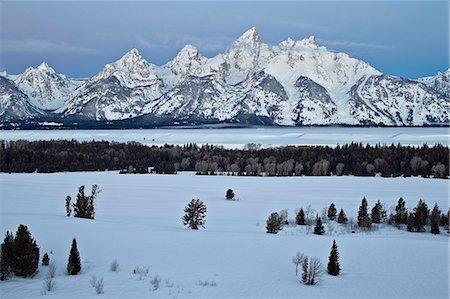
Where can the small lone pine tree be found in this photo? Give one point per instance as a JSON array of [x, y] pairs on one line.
[[319, 229], [421, 213], [230, 194], [333, 261], [342, 218], [401, 213], [45, 259], [300, 218], [74, 264], [195, 213], [363, 217], [378, 213], [84, 207], [68, 208], [26, 253], [274, 223], [332, 212], [435, 215], [7, 257]]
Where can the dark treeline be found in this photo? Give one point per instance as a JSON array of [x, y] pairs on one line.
[[352, 159]]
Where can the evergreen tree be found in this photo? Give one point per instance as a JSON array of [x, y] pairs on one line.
[[84, 207], [332, 212], [68, 208], [435, 214], [342, 218], [410, 222], [300, 218], [401, 213], [6, 257], [74, 264], [378, 213], [333, 261], [195, 213], [230, 194], [26, 253], [45, 260], [363, 217], [274, 223], [319, 229], [421, 213]]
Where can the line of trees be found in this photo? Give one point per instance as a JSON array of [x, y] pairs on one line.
[[350, 159]]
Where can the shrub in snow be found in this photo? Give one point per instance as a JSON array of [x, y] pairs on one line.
[[84, 207], [68, 208], [435, 214], [97, 284], [155, 281], [300, 218], [333, 267], [74, 264], [114, 266], [229, 195], [284, 217], [25, 252], [312, 270], [142, 272], [363, 217], [297, 260], [319, 229], [195, 213], [331, 213], [274, 223], [6, 256], [51, 272], [49, 283], [207, 283], [45, 259], [342, 218]]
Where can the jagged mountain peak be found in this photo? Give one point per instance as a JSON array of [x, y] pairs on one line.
[[45, 67], [248, 38]]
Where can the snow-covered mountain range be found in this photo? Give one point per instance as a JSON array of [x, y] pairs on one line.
[[292, 83]]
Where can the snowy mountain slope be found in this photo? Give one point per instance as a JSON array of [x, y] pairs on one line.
[[45, 88], [119, 91], [439, 82], [14, 104], [396, 101], [296, 82]]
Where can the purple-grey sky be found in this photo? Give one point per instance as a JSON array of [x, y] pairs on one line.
[[404, 38]]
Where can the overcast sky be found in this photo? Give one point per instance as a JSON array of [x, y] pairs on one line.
[[409, 39]]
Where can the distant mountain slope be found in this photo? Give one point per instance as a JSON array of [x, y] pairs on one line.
[[292, 83]]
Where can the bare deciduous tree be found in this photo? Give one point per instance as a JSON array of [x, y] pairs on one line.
[[297, 260]]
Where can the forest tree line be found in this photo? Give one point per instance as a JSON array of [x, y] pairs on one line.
[[349, 159]]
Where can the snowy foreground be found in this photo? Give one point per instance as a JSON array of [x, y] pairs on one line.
[[138, 222], [239, 137]]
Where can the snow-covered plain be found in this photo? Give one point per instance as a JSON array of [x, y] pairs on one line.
[[238, 138], [138, 222]]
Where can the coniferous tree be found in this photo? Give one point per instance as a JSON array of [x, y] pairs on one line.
[[84, 207], [195, 213], [74, 263], [363, 217], [342, 218], [421, 213], [401, 213], [45, 260], [319, 229], [332, 212], [378, 213], [6, 257], [26, 253], [274, 223], [68, 208], [435, 214], [300, 218], [410, 221], [230, 194], [333, 261]]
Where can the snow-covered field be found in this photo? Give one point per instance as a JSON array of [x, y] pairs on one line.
[[138, 222], [238, 138]]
